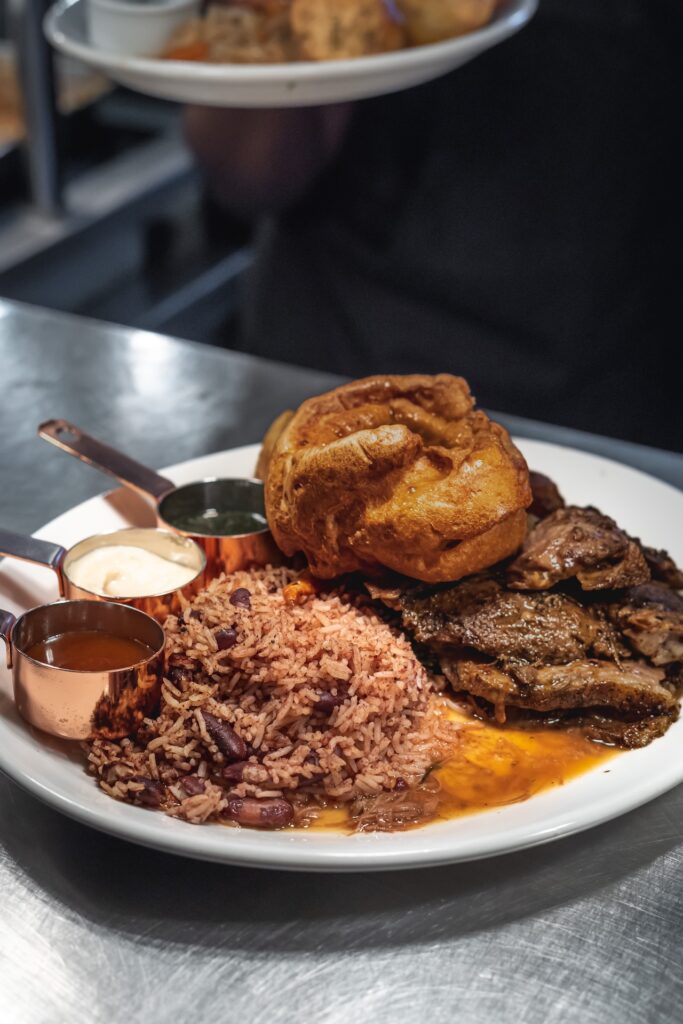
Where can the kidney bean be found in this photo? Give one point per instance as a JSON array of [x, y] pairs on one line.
[[153, 793], [271, 812], [241, 598], [226, 638], [401, 785], [233, 773], [196, 615], [327, 702], [193, 785], [225, 737], [176, 671]]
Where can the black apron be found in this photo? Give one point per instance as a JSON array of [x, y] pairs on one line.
[[517, 222]]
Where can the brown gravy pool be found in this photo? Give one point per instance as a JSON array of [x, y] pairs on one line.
[[494, 766], [89, 650]]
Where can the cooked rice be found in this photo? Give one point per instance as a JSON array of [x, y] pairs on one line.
[[385, 730]]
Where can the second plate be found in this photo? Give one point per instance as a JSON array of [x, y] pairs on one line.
[[280, 85]]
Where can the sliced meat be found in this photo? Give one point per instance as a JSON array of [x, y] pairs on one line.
[[480, 613], [617, 732], [656, 595], [390, 592], [546, 496], [663, 567], [581, 543], [636, 689], [651, 619], [597, 724]]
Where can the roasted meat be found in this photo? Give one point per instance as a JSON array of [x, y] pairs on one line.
[[603, 727], [651, 619], [663, 568], [481, 614], [635, 688], [609, 661], [581, 543], [653, 595], [627, 705], [546, 496]]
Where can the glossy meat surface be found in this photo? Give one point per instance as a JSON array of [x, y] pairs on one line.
[[609, 660], [546, 495], [663, 568], [633, 687], [537, 627], [651, 619], [581, 543]]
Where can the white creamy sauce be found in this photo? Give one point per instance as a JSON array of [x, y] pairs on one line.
[[121, 570]]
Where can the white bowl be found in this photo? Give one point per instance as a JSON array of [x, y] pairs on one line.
[[136, 29], [296, 84]]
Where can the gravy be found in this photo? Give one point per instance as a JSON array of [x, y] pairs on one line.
[[493, 766], [89, 650]]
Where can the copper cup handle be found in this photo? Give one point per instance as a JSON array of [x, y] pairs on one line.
[[39, 552], [73, 441], [7, 621]]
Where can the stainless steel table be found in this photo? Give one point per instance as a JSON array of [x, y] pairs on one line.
[[94, 930]]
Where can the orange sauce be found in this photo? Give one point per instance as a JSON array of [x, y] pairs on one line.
[[89, 650], [497, 765], [492, 766]]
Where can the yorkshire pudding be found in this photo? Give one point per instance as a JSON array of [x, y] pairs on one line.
[[396, 472]]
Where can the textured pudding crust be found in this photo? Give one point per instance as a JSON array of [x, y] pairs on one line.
[[398, 472]]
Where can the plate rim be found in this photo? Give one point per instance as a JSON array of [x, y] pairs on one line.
[[496, 31], [297, 853]]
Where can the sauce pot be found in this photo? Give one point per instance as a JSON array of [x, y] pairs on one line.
[[78, 704], [224, 552], [160, 542]]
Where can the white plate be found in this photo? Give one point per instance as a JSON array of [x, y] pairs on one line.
[[642, 505], [280, 85]]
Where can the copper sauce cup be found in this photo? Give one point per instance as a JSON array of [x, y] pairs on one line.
[[224, 553], [75, 704], [160, 542]]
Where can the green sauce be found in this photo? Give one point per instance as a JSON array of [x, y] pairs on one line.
[[213, 523]]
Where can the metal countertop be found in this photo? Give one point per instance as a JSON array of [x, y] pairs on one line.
[[95, 930]]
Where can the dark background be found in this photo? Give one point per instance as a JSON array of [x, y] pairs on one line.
[[517, 222]]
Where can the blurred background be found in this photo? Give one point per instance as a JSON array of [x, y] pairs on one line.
[[518, 221]]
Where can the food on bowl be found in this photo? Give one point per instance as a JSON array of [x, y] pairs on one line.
[[127, 570], [271, 708], [397, 472], [277, 31]]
